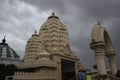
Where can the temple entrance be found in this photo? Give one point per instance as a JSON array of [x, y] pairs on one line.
[[68, 69]]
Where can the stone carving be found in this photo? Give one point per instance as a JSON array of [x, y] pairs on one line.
[[54, 35]]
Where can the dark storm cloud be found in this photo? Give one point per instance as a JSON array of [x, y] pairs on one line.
[[98, 9], [102, 9], [18, 21], [57, 5], [79, 16]]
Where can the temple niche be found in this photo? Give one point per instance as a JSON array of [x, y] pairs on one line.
[[48, 55]]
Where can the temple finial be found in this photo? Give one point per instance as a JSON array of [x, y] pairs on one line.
[[53, 16], [53, 13], [3, 41], [35, 31], [98, 23]]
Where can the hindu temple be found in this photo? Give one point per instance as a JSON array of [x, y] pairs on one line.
[[48, 55]]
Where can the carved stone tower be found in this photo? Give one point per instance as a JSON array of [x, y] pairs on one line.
[[49, 52], [54, 35]]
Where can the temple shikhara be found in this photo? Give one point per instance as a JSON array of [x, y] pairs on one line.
[[48, 55]]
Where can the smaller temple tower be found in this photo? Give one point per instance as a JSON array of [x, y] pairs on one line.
[[33, 48]]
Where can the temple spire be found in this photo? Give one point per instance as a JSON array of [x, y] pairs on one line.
[[53, 14], [3, 41], [35, 32], [98, 23]]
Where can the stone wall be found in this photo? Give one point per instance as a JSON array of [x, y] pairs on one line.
[[33, 76]]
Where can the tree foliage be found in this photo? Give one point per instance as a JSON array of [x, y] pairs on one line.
[[2, 71], [7, 70]]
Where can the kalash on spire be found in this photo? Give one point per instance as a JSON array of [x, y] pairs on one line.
[[48, 53], [53, 16]]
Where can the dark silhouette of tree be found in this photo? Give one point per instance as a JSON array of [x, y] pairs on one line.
[[10, 69], [2, 71], [7, 70]]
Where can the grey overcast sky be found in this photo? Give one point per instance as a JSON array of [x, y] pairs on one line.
[[20, 18]]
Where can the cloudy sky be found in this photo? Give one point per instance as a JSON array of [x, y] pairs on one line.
[[20, 18]]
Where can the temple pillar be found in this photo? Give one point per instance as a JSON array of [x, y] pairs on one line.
[[57, 59], [99, 55], [77, 65], [111, 59]]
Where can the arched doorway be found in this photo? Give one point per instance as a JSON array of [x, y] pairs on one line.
[[67, 69]]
